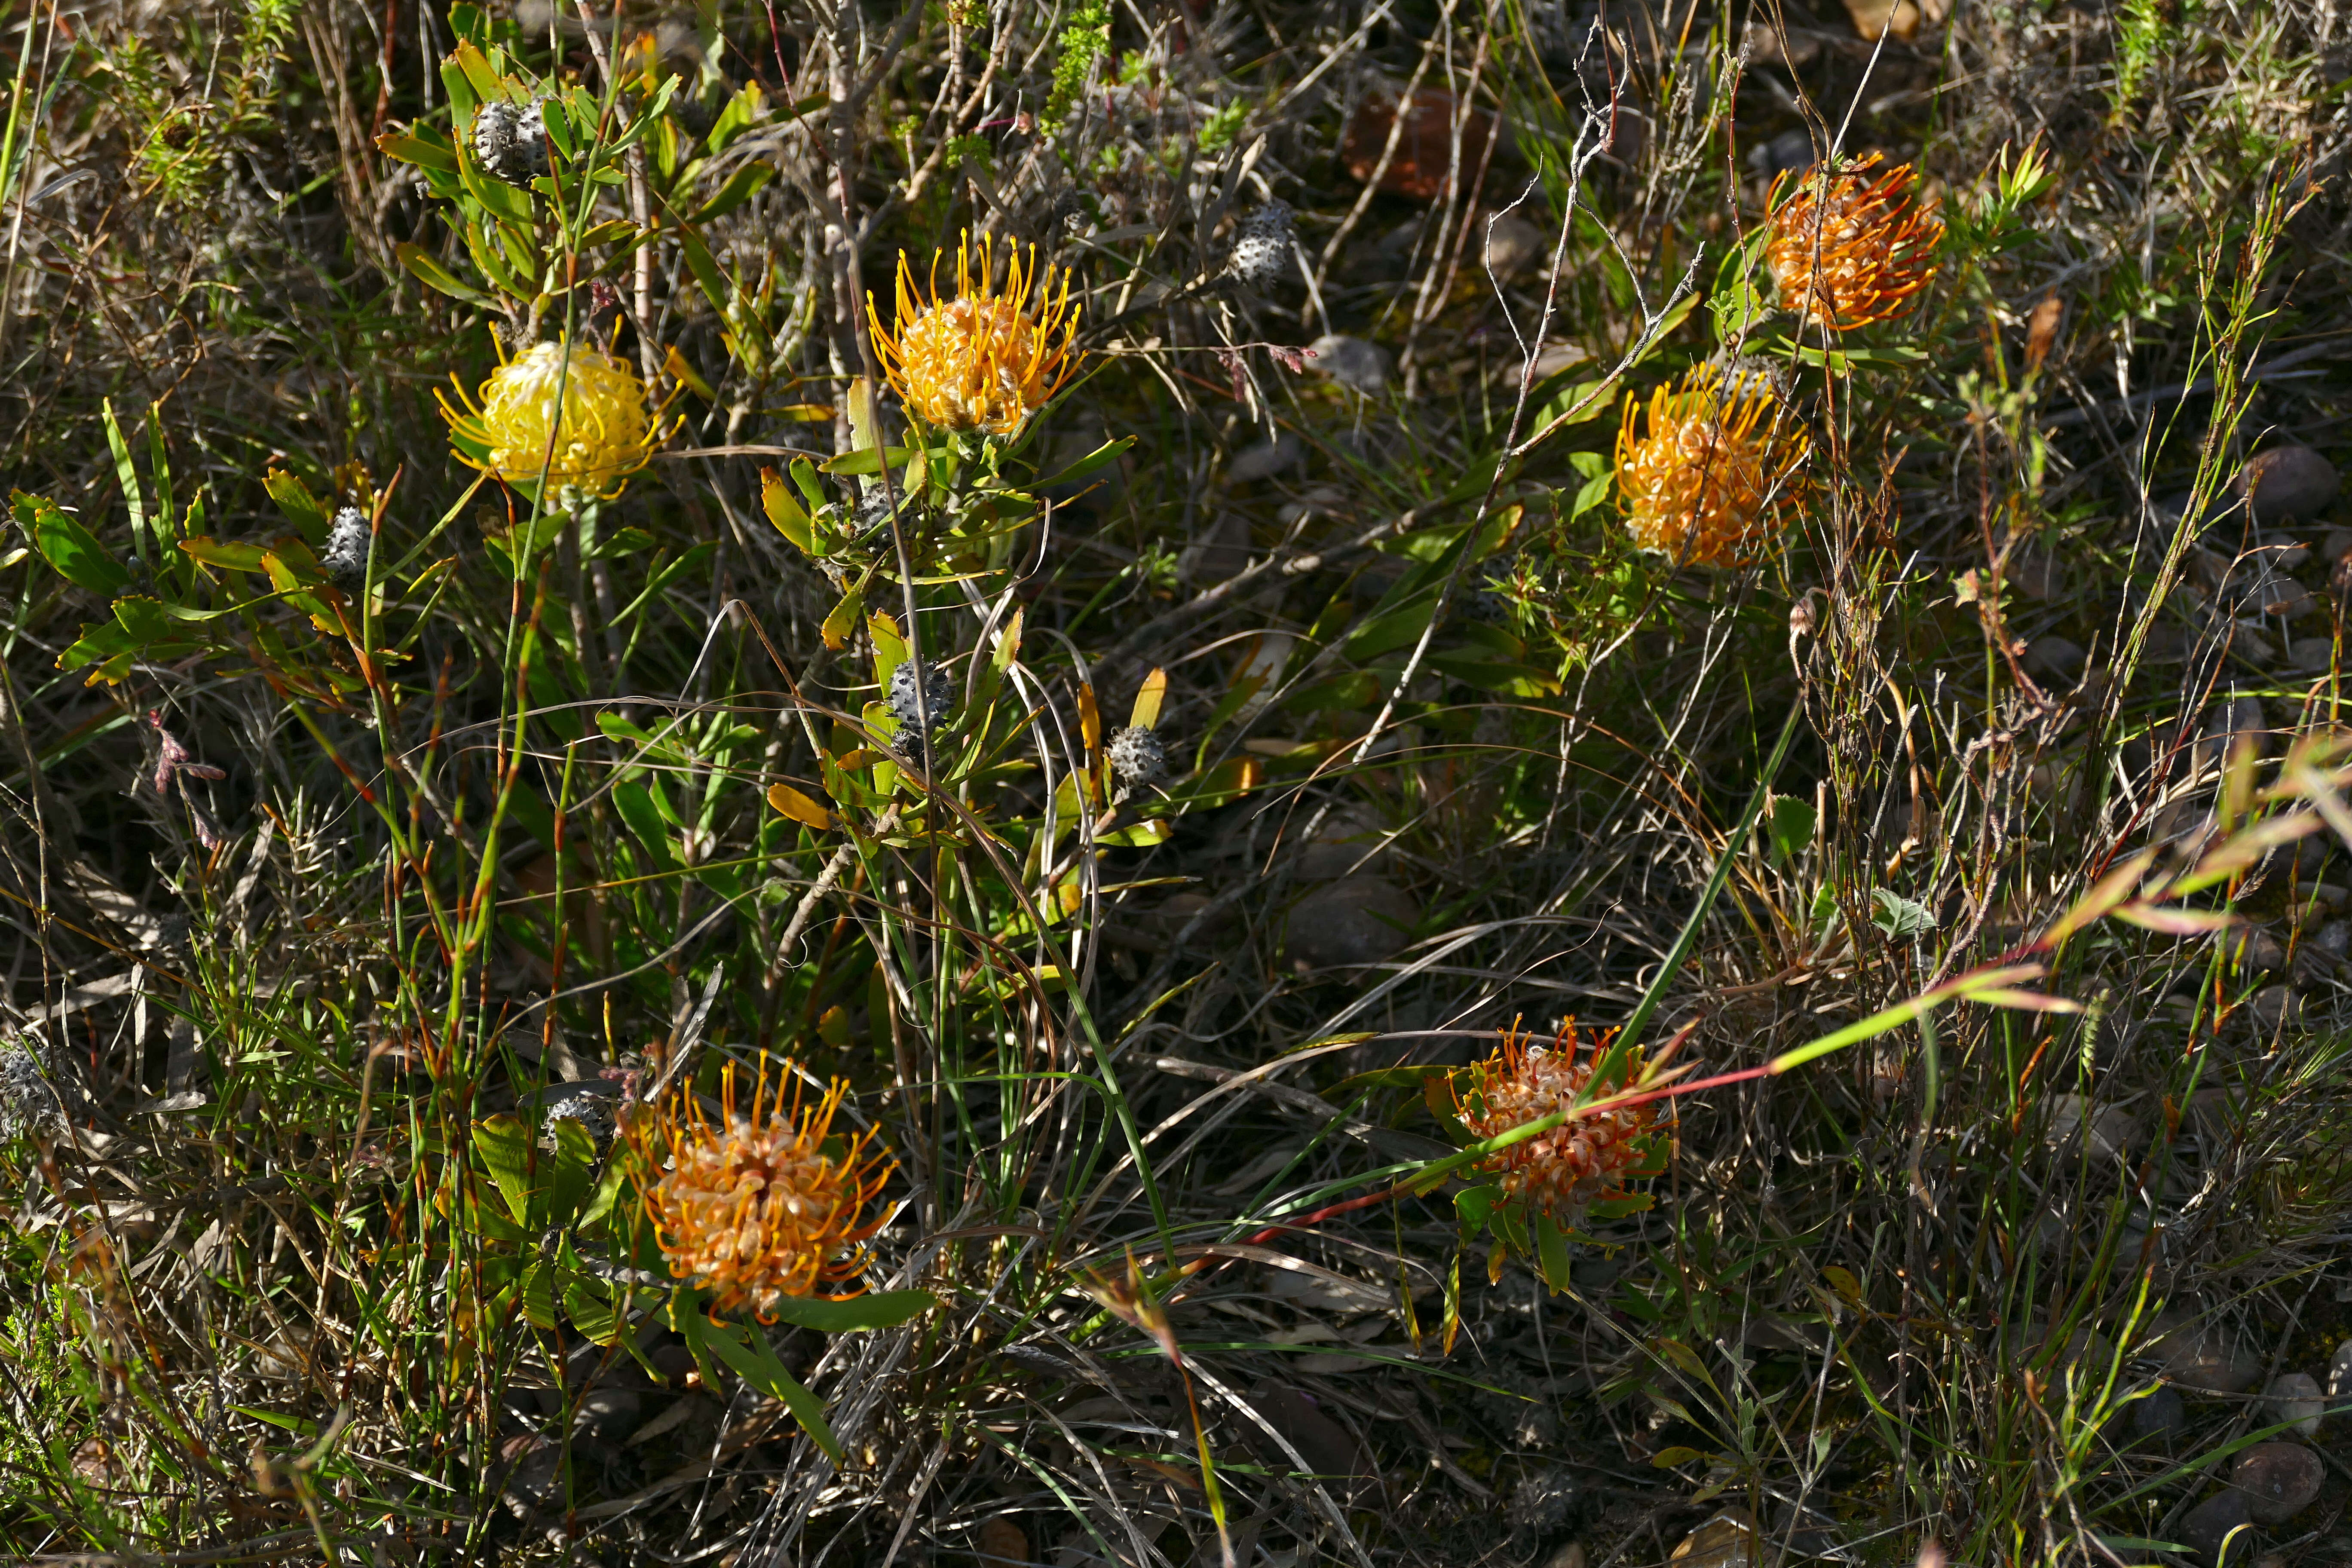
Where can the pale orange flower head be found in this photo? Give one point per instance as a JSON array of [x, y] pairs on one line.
[[990, 356], [564, 411], [1710, 478], [1848, 247], [753, 1207], [1586, 1158]]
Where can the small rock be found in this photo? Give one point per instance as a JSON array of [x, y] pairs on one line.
[[1514, 246], [1788, 151], [608, 1413], [2058, 657], [1331, 1450], [2287, 599], [2106, 1131], [1571, 1555], [2295, 1396], [2200, 1355], [2255, 947], [2332, 941], [1542, 1504], [1003, 1543], [2310, 653], [2275, 1008], [1268, 458], [1764, 48], [1354, 363], [2034, 573], [2160, 1418], [2335, 544], [2250, 638], [2286, 483], [1356, 919], [2219, 1524], [2279, 1480], [2285, 552]]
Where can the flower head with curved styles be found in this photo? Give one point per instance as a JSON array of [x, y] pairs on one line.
[[576, 415], [1849, 247], [755, 1206], [990, 356], [1587, 1158], [1707, 482]]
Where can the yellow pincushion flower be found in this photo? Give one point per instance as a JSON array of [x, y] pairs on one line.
[[1718, 466], [579, 416], [1847, 248], [987, 359], [753, 1208]]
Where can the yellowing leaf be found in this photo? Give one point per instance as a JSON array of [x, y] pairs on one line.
[[1146, 712], [799, 806]]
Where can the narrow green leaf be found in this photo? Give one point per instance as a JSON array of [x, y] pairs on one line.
[[884, 1310]]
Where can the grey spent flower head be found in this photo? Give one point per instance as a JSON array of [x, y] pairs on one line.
[[345, 558], [939, 695], [1137, 757], [511, 139], [579, 1103], [1263, 243], [27, 1101]]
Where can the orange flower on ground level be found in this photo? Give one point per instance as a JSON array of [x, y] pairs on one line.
[[1707, 483], [987, 358], [753, 1208], [567, 410], [1563, 1172], [1847, 248]]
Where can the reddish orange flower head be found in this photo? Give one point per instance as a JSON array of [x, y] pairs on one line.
[[1708, 481], [1585, 1159], [753, 1208], [1848, 247]]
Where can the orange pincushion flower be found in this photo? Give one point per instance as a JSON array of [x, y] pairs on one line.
[[1585, 1159], [1848, 250], [1708, 482], [987, 359], [753, 1209]]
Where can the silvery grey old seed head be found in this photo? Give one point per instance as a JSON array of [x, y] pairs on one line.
[[511, 139], [1262, 246], [938, 694], [26, 1101], [345, 558], [578, 1102], [1137, 757]]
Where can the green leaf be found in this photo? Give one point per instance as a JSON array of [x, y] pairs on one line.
[[1789, 827], [144, 618], [1898, 916], [884, 1310], [740, 187], [71, 549], [433, 275], [573, 1172], [231, 556], [1102, 456], [747, 1352], [504, 1144], [301, 508], [868, 462], [425, 146], [99, 641], [539, 1295], [706, 270], [790, 518], [588, 1302]]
